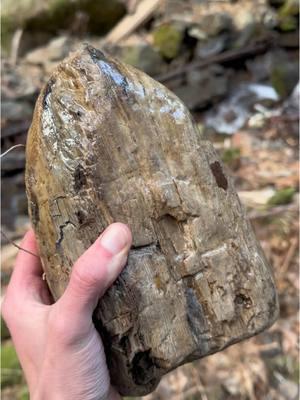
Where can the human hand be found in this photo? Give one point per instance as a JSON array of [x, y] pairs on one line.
[[58, 346]]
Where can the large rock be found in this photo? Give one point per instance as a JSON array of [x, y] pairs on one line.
[[140, 54], [52, 16], [108, 143], [214, 24]]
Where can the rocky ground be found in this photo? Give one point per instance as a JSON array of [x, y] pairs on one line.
[[235, 65]]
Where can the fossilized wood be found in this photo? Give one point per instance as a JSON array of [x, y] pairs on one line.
[[108, 143]]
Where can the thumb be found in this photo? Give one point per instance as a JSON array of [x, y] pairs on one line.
[[96, 270]]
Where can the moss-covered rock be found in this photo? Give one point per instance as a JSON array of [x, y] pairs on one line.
[[11, 372], [290, 7], [232, 157], [143, 57], [283, 196], [288, 23], [214, 24], [288, 15], [50, 16], [23, 393], [286, 365], [167, 38], [284, 77]]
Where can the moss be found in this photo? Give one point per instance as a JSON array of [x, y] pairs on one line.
[[4, 330], [286, 365], [231, 155], [131, 398], [23, 393], [290, 7], [143, 57], [10, 367], [232, 158], [214, 24], [283, 196], [288, 15], [195, 396], [288, 24], [279, 80], [168, 38]]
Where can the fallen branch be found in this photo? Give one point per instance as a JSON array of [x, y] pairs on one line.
[[16, 40], [11, 148], [289, 255], [131, 22], [227, 56]]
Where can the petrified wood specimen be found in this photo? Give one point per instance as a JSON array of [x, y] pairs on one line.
[[108, 143]]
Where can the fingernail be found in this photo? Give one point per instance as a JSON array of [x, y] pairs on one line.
[[114, 238]]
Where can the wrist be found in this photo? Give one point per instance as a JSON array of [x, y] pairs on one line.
[[47, 395]]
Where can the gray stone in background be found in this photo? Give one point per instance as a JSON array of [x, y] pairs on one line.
[[142, 56], [203, 87], [211, 46]]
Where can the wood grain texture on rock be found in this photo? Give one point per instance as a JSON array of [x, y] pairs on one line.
[[108, 143]]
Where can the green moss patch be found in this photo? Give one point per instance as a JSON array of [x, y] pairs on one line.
[[167, 39], [283, 196]]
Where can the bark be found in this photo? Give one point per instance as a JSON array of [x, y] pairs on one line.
[[108, 143]]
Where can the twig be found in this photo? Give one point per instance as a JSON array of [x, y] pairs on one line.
[[289, 255], [273, 211], [15, 45], [2, 233], [220, 58], [16, 245], [284, 118], [131, 22], [11, 148]]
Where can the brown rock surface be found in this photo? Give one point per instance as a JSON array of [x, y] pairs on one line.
[[108, 143]]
